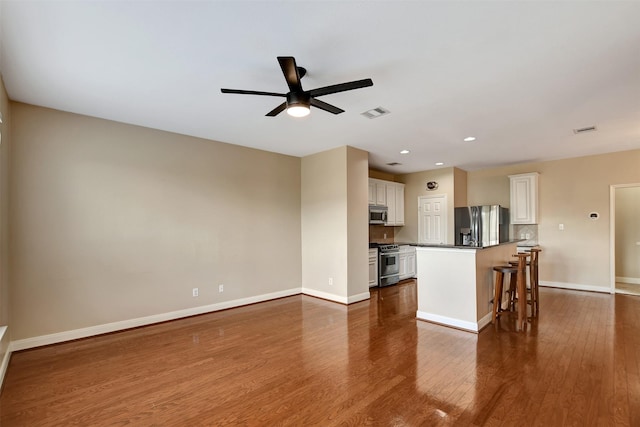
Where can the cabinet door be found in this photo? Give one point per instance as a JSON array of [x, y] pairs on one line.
[[524, 198], [381, 194], [411, 263], [400, 205], [390, 190], [403, 265], [373, 274], [372, 192], [373, 267]]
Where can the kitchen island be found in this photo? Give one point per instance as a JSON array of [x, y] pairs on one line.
[[455, 283]]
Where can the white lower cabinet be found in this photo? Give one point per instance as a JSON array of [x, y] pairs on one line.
[[407, 262], [373, 267]]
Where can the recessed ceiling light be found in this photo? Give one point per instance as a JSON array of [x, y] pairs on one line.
[[405, 152], [470, 138], [439, 163]]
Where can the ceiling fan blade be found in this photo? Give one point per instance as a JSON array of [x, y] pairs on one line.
[[341, 87], [290, 71], [326, 107], [279, 109], [251, 92]]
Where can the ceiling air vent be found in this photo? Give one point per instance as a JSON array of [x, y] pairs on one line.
[[583, 130], [375, 113], [394, 164]]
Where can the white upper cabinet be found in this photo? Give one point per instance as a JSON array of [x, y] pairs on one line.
[[524, 198], [400, 204], [377, 192], [391, 195], [395, 204]]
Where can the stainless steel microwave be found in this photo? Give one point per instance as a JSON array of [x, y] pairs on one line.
[[377, 214]]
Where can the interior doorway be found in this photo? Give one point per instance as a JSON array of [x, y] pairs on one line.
[[625, 239], [432, 219]]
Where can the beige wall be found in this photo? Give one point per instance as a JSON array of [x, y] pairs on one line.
[[416, 186], [381, 175], [335, 224], [568, 191], [5, 147], [111, 222], [324, 222], [460, 188], [628, 234], [357, 221]]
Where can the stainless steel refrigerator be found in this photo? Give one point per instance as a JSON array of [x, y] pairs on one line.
[[481, 225]]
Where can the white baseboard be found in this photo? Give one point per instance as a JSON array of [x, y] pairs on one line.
[[630, 280], [337, 298], [7, 354], [359, 297], [325, 295], [575, 286], [38, 341], [75, 334], [449, 321], [485, 320]]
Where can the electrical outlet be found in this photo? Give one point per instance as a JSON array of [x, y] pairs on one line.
[[528, 236], [561, 227], [220, 288], [385, 235], [522, 235], [194, 292], [330, 281]]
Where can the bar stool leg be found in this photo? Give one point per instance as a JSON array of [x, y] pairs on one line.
[[497, 297], [522, 291], [513, 286]]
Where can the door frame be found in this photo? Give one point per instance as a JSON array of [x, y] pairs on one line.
[[445, 216], [612, 232]]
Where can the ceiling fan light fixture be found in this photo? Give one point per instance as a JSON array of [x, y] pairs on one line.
[[298, 110], [298, 104]]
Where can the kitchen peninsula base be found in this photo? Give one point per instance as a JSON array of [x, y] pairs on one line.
[[455, 284]]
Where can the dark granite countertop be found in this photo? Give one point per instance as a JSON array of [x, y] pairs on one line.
[[420, 245]]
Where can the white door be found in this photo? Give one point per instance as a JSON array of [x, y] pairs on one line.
[[432, 219]]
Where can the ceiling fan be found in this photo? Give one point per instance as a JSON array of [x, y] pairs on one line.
[[299, 101]]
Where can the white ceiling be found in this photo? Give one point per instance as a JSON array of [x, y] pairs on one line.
[[517, 75]]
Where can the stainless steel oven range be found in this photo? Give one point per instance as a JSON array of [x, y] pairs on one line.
[[389, 265]]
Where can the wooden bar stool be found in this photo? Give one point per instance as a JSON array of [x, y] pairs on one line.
[[534, 282], [533, 288], [501, 270], [521, 289]]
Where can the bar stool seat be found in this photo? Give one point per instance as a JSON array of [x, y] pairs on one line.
[[501, 270]]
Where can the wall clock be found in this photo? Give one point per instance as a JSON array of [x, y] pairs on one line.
[[432, 185]]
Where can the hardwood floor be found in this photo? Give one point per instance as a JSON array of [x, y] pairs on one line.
[[303, 361], [628, 288]]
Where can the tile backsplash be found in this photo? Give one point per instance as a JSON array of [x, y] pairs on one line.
[[526, 231], [380, 234]]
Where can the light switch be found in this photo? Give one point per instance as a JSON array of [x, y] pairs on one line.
[[561, 227]]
